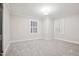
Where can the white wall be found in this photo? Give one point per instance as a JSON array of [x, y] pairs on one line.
[[59, 28], [6, 27], [20, 29], [48, 28], [69, 27]]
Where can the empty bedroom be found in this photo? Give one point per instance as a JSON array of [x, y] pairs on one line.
[[41, 29]]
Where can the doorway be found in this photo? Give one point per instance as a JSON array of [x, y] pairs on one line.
[[1, 16]]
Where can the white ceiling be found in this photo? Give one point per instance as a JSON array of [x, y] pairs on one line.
[[33, 9]]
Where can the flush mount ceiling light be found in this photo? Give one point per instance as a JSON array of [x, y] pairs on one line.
[[46, 10]]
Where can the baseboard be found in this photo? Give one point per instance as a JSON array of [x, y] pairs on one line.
[[4, 52], [23, 40], [15, 41], [66, 40]]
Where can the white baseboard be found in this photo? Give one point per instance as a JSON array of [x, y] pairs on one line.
[[66, 40], [15, 41], [5, 50]]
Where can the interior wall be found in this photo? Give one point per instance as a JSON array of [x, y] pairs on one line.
[[21, 31], [68, 29], [6, 27], [48, 28], [59, 28], [20, 28]]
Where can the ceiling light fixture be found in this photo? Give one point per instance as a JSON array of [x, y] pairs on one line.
[[46, 10]]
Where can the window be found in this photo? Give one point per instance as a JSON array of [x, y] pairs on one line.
[[33, 26]]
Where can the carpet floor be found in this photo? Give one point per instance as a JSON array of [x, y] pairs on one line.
[[43, 48]]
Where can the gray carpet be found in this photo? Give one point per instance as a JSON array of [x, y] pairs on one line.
[[43, 48]]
